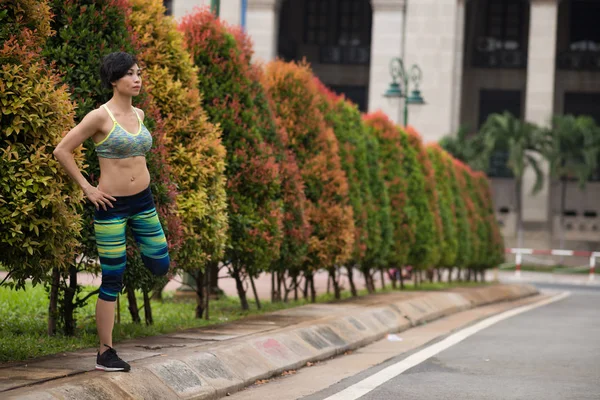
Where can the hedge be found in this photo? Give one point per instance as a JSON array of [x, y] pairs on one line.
[[296, 97], [192, 143], [39, 214], [232, 99]]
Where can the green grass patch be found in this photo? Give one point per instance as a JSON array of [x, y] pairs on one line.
[[23, 318]]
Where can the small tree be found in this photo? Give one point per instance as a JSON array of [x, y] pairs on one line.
[[345, 120], [86, 32], [463, 228], [296, 98], [572, 148], [193, 143], [403, 213], [425, 253], [524, 142], [233, 100], [40, 216], [380, 224], [449, 244]]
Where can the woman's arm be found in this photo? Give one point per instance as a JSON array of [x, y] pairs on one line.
[[63, 152]]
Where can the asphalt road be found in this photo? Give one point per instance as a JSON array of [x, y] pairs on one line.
[[550, 352]]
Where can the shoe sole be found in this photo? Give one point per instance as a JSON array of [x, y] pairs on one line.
[[108, 369]]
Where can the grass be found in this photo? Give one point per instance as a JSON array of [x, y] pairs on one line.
[[555, 269], [23, 319]]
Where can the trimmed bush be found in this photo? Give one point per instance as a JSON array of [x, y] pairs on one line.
[[233, 100], [379, 245], [394, 153], [39, 214], [494, 249], [345, 120], [449, 244], [472, 219], [87, 31], [463, 230], [194, 146], [296, 98], [425, 253]]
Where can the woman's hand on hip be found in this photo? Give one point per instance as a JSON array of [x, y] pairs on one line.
[[99, 198]]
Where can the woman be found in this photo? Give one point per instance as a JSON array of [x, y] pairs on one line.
[[123, 194]]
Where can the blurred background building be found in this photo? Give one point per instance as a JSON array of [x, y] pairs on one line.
[[534, 58]]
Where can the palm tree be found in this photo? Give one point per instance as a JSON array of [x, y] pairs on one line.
[[470, 149], [524, 143], [572, 151]]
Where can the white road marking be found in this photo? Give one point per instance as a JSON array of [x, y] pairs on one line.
[[367, 385]]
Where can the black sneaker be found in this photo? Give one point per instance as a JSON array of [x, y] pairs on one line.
[[109, 361]]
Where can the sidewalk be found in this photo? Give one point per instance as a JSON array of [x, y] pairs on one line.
[[210, 362]]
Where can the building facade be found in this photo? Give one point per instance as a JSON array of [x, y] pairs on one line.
[[534, 58]]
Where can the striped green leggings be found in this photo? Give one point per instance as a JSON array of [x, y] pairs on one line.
[[110, 226]]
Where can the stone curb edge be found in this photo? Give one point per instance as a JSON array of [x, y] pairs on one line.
[[228, 368]]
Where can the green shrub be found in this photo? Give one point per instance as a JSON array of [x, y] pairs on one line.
[[393, 159], [39, 214], [449, 244], [193, 143], [235, 101], [422, 191], [296, 98]]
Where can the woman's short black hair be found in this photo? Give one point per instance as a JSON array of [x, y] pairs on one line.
[[114, 66]]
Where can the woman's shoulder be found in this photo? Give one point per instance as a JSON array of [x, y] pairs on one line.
[[140, 112], [98, 115]]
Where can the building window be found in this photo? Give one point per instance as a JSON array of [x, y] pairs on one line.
[[317, 16], [168, 6], [502, 42], [584, 22], [352, 23], [499, 102], [505, 21]]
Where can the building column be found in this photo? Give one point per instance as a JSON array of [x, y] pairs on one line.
[[263, 27], [386, 43], [539, 103]]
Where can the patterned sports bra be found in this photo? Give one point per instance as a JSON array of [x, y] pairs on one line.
[[121, 144]]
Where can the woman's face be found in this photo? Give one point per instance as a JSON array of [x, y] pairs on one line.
[[131, 83]]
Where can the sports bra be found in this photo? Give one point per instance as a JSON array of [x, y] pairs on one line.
[[121, 144]]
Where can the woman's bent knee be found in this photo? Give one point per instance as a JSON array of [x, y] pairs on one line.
[[158, 266]]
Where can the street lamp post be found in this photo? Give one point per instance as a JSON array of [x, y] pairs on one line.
[[215, 7], [400, 76]]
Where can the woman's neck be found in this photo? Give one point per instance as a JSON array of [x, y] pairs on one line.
[[121, 103]]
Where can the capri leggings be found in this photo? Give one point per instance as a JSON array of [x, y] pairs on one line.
[[140, 213]]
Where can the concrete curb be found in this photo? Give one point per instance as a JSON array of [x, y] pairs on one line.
[[233, 364]]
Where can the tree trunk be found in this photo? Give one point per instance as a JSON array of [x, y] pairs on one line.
[[273, 287], [351, 281], [450, 270], [295, 287], [336, 286], [367, 275], [214, 279], [258, 305], [68, 308], [518, 190], [147, 309], [306, 284], [53, 304], [133, 307], [394, 279], [240, 289], [563, 203], [280, 283], [382, 277], [313, 292], [401, 278], [200, 293]]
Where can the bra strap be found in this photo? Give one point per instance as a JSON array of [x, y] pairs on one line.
[[137, 115], [110, 114]]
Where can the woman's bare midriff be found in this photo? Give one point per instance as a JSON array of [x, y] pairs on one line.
[[123, 176]]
